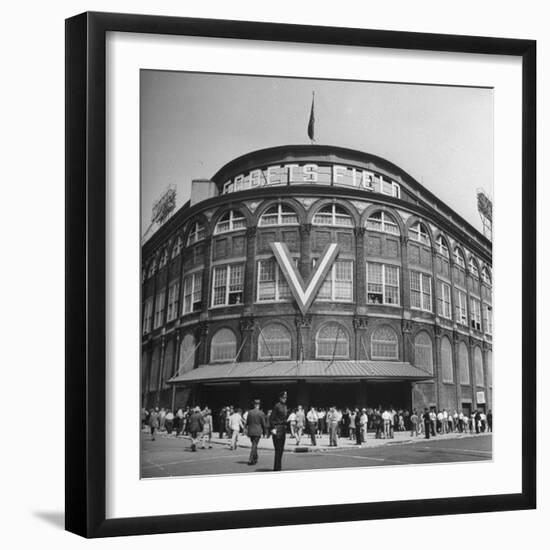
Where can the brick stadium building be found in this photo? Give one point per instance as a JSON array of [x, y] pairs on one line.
[[402, 315]]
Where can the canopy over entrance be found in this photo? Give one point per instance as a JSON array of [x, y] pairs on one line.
[[304, 370]]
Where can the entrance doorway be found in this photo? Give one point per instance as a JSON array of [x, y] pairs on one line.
[[389, 394]]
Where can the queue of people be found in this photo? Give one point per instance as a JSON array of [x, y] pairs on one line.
[[345, 422]]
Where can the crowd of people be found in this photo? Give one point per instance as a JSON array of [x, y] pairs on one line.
[[354, 423]]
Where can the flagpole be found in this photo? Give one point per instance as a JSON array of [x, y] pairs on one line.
[[311, 123]]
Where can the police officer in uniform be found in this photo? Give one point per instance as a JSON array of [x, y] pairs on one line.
[[277, 424]]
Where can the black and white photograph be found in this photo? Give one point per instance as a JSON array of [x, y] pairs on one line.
[[316, 274]]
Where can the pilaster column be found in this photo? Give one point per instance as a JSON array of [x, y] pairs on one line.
[[456, 370], [303, 332], [360, 267], [360, 326], [305, 250], [437, 366], [250, 267], [471, 344], [202, 354], [206, 274], [161, 368], [247, 326], [405, 280], [408, 352]]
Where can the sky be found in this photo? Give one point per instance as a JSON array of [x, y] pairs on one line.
[[194, 123]]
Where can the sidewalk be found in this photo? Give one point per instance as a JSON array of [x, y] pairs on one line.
[[400, 438]]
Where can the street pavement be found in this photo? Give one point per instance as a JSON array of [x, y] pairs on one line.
[[169, 456]]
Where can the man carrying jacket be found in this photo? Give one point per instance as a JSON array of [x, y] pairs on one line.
[[255, 427]]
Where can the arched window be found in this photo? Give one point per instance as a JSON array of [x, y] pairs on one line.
[[163, 258], [187, 354], [459, 258], [176, 249], [384, 344], [196, 234], [380, 221], [478, 365], [419, 233], [230, 221], [223, 346], [472, 265], [333, 214], [447, 359], [486, 275], [423, 352], [332, 341], [279, 214], [442, 247], [274, 342], [463, 364]]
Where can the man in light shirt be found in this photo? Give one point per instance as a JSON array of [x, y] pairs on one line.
[[236, 424], [312, 420], [333, 418], [300, 423], [386, 419]]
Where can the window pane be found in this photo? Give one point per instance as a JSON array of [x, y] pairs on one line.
[[224, 345], [384, 343]]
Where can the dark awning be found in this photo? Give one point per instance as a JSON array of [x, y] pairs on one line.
[[316, 370]]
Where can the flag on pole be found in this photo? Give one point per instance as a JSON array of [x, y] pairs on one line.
[[311, 125]]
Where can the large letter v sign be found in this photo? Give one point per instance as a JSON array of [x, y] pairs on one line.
[[304, 294]]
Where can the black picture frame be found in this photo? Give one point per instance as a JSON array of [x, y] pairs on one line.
[[86, 263]]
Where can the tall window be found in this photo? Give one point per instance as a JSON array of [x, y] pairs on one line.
[[473, 268], [384, 344], [152, 269], [196, 234], [230, 221], [187, 354], [147, 315], [486, 275], [163, 259], [192, 292], [382, 284], [223, 346], [478, 366], [488, 318], [459, 258], [419, 233], [272, 285], [447, 359], [463, 364], [333, 214], [332, 342], [442, 247], [423, 352], [227, 285], [444, 300], [274, 342], [475, 314], [338, 284], [380, 221], [421, 291], [461, 315], [176, 249], [173, 300], [159, 309], [279, 214]]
